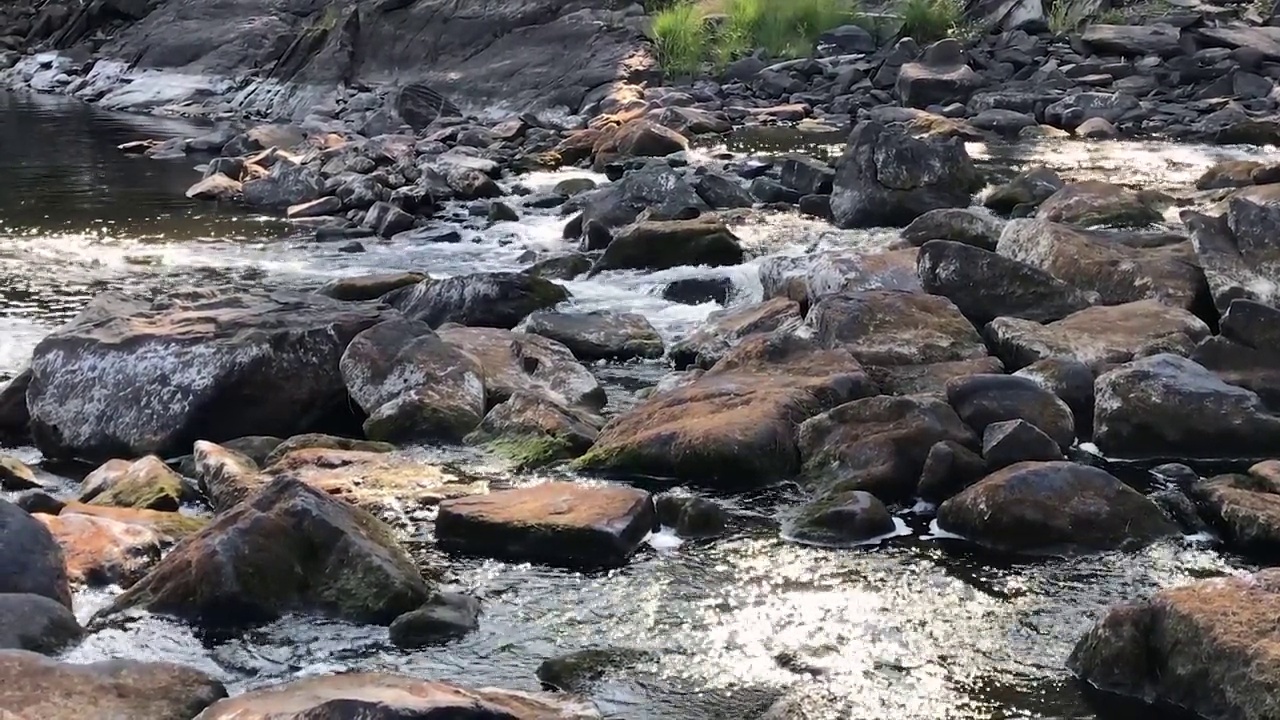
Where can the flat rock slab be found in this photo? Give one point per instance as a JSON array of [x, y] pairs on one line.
[[556, 523]]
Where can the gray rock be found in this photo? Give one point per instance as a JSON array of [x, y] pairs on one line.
[[1240, 251], [962, 225], [660, 189], [720, 192], [598, 335], [31, 560], [36, 623], [1013, 441], [1133, 40], [725, 328], [805, 175], [659, 245], [500, 299], [387, 219], [842, 518], [1030, 187], [1071, 111], [447, 616], [287, 184], [696, 291], [942, 76]]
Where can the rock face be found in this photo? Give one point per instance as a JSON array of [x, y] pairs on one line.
[[1168, 406], [887, 177], [1240, 251], [33, 686], [599, 335], [556, 523], [31, 561], [289, 547], [382, 697], [1209, 647], [35, 623], [662, 244], [500, 299], [132, 378], [1053, 507], [895, 327]]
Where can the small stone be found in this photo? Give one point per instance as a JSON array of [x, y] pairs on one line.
[[445, 617], [842, 518], [1013, 441], [15, 475]]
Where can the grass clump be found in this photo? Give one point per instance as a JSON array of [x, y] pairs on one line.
[[930, 20], [680, 35]]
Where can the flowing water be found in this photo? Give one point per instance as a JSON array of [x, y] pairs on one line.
[[917, 627]]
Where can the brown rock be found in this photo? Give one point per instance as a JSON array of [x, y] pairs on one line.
[[101, 551], [928, 379], [1093, 202], [514, 361], [145, 484], [533, 431], [215, 187], [15, 475], [369, 287], [171, 526], [725, 328], [895, 327], [320, 441], [1245, 508]]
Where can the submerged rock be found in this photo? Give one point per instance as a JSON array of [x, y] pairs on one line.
[[598, 335], [35, 623], [840, 518], [1051, 507], [557, 523], [577, 671], [497, 299], [691, 516]]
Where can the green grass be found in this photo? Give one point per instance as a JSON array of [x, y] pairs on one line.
[[928, 20], [680, 35]]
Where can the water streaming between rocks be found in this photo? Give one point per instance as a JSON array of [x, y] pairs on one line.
[[914, 628]]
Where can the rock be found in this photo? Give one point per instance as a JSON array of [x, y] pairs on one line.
[[1133, 40], [942, 77], [34, 686], [468, 183], [691, 516], [377, 695], [216, 187], [887, 177], [1097, 129], [145, 484], [928, 379], [658, 188], [31, 561], [413, 385], [1245, 508], [578, 671], [877, 444], [387, 219], [132, 378], [1247, 353], [533, 430], [15, 475], [692, 121], [1007, 123], [514, 361], [556, 523], [562, 267], [1053, 507], [806, 175], [725, 328], [368, 287], [1233, 174], [696, 291], [100, 551], [981, 400], [1072, 381], [38, 501], [894, 327], [984, 285], [1169, 407], [1030, 187], [321, 441], [598, 335], [501, 212], [15, 419], [329, 205], [1069, 112], [961, 225], [1093, 202], [287, 548], [419, 105], [639, 138], [445, 617], [1206, 646], [36, 624], [497, 299], [1239, 251], [1013, 441], [658, 245], [226, 476], [287, 184], [839, 519], [1119, 267], [949, 468], [720, 192]]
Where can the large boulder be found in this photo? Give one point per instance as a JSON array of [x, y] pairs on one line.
[[725, 328], [1211, 647], [514, 361], [931, 378], [558, 523], [31, 561], [895, 327], [1244, 508], [412, 384], [663, 244], [34, 686], [1051, 507], [1073, 110], [1166, 406], [598, 335], [496, 299], [130, 377], [1093, 202], [383, 697], [941, 77], [287, 548], [1240, 250], [1098, 336], [15, 418], [1120, 267], [964, 225], [889, 177], [985, 285]]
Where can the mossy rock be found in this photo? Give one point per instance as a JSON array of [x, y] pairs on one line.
[[148, 484]]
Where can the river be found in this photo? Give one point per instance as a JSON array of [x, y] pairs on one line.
[[916, 628]]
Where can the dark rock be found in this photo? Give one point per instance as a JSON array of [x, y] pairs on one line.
[[1013, 441], [499, 299], [1093, 202], [1244, 508], [1240, 251], [772, 192], [1073, 110], [658, 245], [1072, 381], [806, 175], [562, 267], [847, 39], [720, 192], [502, 212], [15, 475], [445, 617], [894, 327], [725, 328], [1097, 129], [949, 468], [691, 516], [660, 189], [15, 418], [943, 76], [961, 225], [577, 671], [696, 291], [533, 429], [930, 378], [328, 205], [419, 105], [387, 219], [36, 623], [287, 184], [981, 400], [598, 335], [1133, 40], [809, 278], [1030, 187], [841, 518], [31, 561]]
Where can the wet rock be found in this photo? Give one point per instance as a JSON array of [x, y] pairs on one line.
[[942, 76], [38, 501], [497, 299], [1207, 646], [15, 475], [412, 384], [981, 400], [562, 267], [770, 191], [36, 624], [1245, 508], [1119, 267], [329, 205], [1168, 406], [1013, 441], [929, 379], [578, 671], [894, 327], [321, 441], [838, 519], [287, 548], [1029, 187], [377, 695], [877, 444], [287, 184], [1133, 40], [1093, 202], [720, 192], [34, 686], [598, 335], [128, 377], [31, 561], [216, 187], [961, 225], [15, 419], [696, 291], [809, 278], [1098, 336], [660, 189], [556, 523], [534, 430], [691, 516], [985, 285], [806, 175], [658, 245], [692, 121], [100, 551], [368, 287], [1072, 381], [1052, 507], [949, 468], [225, 476], [888, 177], [514, 361], [639, 138], [1069, 112], [145, 484], [1240, 252], [725, 328], [387, 219], [1097, 129], [1247, 352], [446, 616], [501, 212]]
